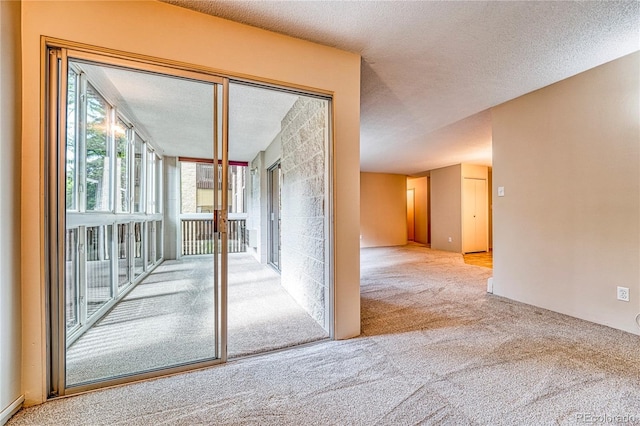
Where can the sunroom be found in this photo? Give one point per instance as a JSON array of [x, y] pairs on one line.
[[195, 219]]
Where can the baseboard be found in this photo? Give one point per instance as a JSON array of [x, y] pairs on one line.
[[490, 285], [6, 414]]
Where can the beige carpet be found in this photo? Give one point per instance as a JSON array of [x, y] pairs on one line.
[[436, 349]]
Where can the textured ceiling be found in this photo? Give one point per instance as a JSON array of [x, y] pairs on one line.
[[431, 69], [176, 114]]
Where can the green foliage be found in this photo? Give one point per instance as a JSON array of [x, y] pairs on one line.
[[96, 149]]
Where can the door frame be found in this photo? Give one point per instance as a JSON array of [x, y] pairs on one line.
[[56, 55], [53, 213]]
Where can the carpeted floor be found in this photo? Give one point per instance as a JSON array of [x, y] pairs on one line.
[[168, 320], [436, 349]]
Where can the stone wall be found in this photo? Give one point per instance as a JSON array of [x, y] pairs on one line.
[[188, 187], [304, 133]]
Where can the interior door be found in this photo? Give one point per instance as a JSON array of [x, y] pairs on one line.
[[474, 211], [109, 322]]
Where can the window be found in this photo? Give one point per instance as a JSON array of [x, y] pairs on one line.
[[111, 240], [98, 261], [123, 255], [122, 166], [158, 197], [138, 248], [71, 280], [97, 152], [197, 187], [151, 243], [158, 240], [151, 181], [138, 175], [72, 139]]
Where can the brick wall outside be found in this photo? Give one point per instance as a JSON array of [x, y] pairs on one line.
[[303, 192]]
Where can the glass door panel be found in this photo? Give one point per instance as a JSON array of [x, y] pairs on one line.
[[121, 308]]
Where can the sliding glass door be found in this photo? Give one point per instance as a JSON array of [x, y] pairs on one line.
[[122, 306]]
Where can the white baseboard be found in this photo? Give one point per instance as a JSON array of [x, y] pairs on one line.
[[490, 285], [6, 414]]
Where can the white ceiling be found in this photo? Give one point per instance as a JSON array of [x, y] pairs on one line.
[[176, 114], [432, 69]]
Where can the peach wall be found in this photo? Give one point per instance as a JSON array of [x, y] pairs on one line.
[[567, 230], [446, 208], [383, 210], [10, 309], [447, 204], [165, 31]]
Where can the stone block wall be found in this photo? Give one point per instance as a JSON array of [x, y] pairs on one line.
[[188, 187], [304, 134]]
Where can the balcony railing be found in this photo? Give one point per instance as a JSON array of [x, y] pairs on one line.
[[198, 236]]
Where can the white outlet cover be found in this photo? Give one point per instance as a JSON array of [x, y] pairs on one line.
[[623, 294], [501, 191]]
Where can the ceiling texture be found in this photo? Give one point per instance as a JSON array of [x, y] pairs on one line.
[[431, 70]]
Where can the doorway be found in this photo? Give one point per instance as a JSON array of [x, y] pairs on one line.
[[126, 299], [274, 206], [285, 293]]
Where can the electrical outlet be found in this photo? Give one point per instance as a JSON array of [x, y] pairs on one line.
[[623, 294], [450, 239]]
